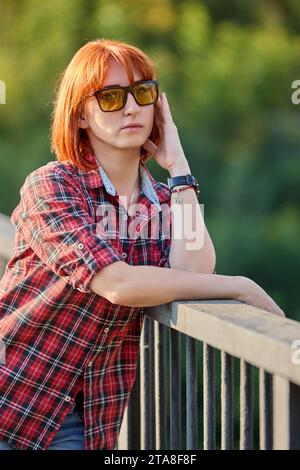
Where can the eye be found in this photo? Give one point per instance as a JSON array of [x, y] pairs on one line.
[[145, 92], [110, 95], [142, 89]]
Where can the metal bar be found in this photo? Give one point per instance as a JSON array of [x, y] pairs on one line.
[[235, 328], [175, 392], [7, 235], [160, 382], [209, 398], [227, 415], [134, 412], [286, 414], [265, 410], [147, 427], [246, 406], [3, 263], [191, 394]]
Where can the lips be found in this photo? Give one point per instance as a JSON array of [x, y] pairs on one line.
[[132, 125]]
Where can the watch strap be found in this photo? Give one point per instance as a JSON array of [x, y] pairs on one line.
[[188, 179]]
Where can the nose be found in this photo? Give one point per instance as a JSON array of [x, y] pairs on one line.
[[131, 105]]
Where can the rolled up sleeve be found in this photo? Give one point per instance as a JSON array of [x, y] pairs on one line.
[[53, 218]]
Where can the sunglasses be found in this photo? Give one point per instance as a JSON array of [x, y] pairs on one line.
[[114, 98]]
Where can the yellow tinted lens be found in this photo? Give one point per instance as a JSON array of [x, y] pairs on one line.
[[111, 100], [145, 93]]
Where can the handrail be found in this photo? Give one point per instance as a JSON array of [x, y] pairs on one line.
[[235, 327], [7, 233]]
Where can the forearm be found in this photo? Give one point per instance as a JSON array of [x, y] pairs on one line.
[[191, 246], [146, 286]]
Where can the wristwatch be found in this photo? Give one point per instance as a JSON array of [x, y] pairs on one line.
[[188, 180]]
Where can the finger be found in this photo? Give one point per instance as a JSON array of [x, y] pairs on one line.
[[166, 110], [159, 101]]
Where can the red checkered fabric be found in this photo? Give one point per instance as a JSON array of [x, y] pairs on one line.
[[59, 336]]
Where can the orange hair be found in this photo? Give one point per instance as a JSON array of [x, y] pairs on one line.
[[85, 73]]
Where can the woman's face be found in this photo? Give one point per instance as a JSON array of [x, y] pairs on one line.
[[107, 127]]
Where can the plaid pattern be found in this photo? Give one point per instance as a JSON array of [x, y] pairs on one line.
[[59, 336]]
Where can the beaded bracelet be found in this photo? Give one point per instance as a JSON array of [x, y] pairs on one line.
[[179, 198], [182, 189]]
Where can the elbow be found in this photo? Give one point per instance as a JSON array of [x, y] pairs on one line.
[[130, 292], [122, 292], [111, 282]]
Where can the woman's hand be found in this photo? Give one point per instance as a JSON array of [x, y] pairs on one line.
[[169, 155], [252, 294]]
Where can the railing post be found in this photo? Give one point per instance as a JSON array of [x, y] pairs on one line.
[[192, 410], [175, 391], [246, 406], [227, 412], [265, 410], [3, 263], [160, 386], [209, 397], [286, 414]]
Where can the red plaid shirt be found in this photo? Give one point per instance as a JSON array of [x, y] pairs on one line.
[[59, 336]]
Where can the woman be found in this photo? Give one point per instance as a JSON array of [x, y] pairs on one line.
[[86, 264]]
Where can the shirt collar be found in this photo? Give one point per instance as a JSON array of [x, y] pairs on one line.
[[153, 190]]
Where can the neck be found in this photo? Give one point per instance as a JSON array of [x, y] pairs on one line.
[[122, 168]]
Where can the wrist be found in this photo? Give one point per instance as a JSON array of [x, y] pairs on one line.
[[239, 286], [180, 169]]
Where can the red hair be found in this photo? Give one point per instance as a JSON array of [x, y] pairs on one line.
[[85, 73]]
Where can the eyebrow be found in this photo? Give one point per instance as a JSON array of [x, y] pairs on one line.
[[118, 84]]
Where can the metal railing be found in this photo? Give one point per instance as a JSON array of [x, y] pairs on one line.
[[256, 359], [7, 233], [201, 366]]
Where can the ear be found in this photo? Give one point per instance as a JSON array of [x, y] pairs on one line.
[[82, 121]]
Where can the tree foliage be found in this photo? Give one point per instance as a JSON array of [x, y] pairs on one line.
[[227, 68]]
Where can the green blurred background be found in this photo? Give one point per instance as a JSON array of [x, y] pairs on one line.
[[227, 68]]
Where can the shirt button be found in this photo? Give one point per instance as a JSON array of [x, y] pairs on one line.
[[124, 255], [90, 364], [138, 212], [125, 216], [80, 246], [67, 398], [106, 330]]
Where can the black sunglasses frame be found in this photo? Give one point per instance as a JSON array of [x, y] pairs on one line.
[[127, 90]]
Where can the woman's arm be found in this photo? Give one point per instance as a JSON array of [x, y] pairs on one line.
[[145, 286], [193, 250]]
